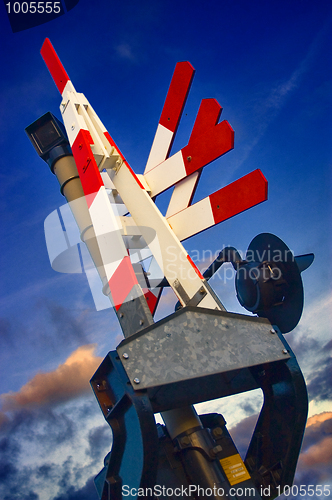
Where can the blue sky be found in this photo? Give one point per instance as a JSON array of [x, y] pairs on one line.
[[269, 66]]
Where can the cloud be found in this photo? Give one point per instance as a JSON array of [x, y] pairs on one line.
[[86, 493], [319, 454], [319, 387], [315, 461], [242, 432], [43, 451], [66, 325], [318, 429], [313, 351], [269, 107], [69, 380], [124, 51], [98, 438]]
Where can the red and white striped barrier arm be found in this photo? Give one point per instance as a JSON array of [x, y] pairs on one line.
[[228, 201], [116, 262], [176, 97], [171, 114], [209, 140], [90, 140]]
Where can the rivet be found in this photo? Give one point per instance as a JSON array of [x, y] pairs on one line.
[[141, 322], [189, 158], [121, 315], [272, 330], [136, 380], [73, 126], [125, 355], [285, 351]]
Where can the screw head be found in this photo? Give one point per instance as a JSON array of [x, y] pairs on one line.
[[125, 355], [136, 380]]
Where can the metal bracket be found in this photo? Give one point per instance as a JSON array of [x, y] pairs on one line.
[[134, 456]]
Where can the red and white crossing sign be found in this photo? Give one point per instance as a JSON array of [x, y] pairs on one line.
[[94, 151]]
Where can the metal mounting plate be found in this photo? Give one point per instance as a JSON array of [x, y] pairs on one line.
[[197, 342]]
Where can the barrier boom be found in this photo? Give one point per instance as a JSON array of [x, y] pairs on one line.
[[94, 149]]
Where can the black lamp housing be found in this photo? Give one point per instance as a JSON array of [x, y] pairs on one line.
[[48, 136], [269, 284]]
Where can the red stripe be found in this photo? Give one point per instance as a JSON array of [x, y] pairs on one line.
[[122, 282], [209, 146], [177, 95], [86, 165], [54, 65], [197, 271], [239, 196], [152, 299], [207, 117], [111, 141]]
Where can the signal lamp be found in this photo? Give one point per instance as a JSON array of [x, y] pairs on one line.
[[49, 138], [268, 282]]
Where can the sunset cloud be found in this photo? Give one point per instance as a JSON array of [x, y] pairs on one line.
[[317, 443], [68, 380]]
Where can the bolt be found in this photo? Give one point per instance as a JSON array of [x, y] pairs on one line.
[[121, 315], [73, 126], [189, 158], [125, 355], [217, 432], [141, 322], [285, 351], [217, 449], [136, 380], [202, 290], [272, 330]]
